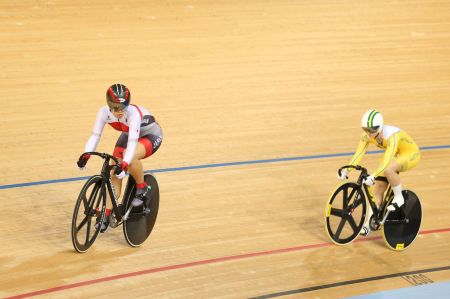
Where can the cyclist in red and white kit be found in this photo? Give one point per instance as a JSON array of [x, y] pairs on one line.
[[140, 138]]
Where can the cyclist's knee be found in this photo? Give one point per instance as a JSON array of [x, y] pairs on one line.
[[136, 162], [140, 152], [392, 170]]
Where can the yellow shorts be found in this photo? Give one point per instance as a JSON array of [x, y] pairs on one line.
[[406, 160]]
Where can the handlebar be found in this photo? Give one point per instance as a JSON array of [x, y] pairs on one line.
[[357, 167], [105, 156], [363, 170]]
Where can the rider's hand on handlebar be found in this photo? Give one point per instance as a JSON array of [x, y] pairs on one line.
[[82, 161], [121, 170], [344, 174], [369, 181]]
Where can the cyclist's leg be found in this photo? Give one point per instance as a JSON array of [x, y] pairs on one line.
[[117, 183], [378, 193], [404, 161], [392, 174], [146, 147], [119, 151], [135, 168]]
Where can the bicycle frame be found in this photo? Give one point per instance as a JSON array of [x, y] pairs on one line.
[[377, 211], [372, 202], [107, 185]]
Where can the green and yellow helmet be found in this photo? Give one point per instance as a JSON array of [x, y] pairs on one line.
[[372, 121]]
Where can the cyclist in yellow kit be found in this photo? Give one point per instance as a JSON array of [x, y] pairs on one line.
[[401, 154]]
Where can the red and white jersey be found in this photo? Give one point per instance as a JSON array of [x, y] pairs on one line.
[[136, 122]]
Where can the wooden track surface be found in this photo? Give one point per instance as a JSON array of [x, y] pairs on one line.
[[228, 81]]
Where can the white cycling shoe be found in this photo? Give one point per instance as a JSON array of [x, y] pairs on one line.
[[365, 230], [397, 202]]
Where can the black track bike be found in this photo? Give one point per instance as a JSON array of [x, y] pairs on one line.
[[137, 223], [345, 214]]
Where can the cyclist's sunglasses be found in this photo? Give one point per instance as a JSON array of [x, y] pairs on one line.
[[118, 109], [371, 130]]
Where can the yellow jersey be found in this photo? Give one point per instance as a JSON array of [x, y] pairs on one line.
[[398, 146]]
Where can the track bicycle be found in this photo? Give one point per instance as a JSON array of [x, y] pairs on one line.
[[345, 213], [138, 222]]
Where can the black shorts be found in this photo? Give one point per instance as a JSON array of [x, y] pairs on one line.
[[150, 142]]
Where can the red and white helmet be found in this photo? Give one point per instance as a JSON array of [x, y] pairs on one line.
[[118, 97]]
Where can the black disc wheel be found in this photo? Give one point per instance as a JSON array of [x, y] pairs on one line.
[[345, 213], [91, 204], [141, 220], [402, 225]]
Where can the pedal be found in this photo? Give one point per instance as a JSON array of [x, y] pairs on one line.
[[113, 221], [374, 224], [143, 212], [137, 202], [92, 212]]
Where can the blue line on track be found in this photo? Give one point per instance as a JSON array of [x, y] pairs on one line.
[[312, 157]]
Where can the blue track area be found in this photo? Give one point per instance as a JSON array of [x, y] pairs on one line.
[[435, 291], [202, 166]]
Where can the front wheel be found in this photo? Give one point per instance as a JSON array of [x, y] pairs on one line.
[[91, 204], [345, 213]]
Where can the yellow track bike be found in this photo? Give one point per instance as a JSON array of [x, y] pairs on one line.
[[346, 212]]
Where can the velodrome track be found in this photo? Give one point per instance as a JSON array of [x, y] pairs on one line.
[[260, 104]]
